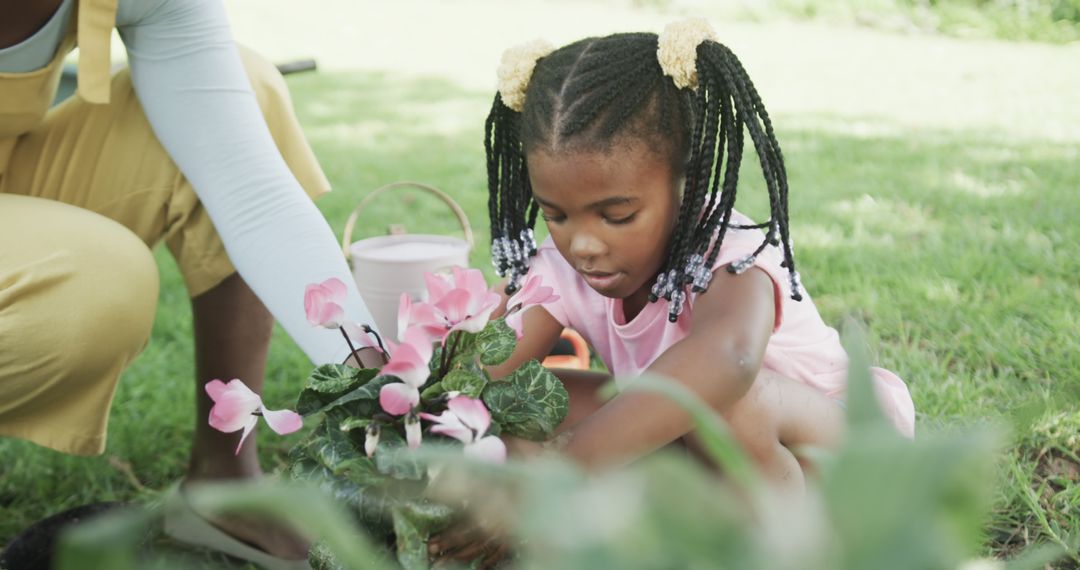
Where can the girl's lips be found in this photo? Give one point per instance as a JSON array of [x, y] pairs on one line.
[[600, 281]]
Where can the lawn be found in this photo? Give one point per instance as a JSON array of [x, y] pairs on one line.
[[957, 246]]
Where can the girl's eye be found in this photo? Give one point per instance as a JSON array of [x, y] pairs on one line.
[[620, 221], [553, 219]]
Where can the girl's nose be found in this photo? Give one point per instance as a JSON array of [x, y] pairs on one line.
[[585, 246]]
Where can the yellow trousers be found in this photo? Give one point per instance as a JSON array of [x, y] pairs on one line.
[[82, 199]]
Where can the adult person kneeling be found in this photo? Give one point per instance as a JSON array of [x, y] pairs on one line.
[[196, 145]]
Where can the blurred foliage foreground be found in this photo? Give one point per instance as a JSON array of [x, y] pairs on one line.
[[880, 502]]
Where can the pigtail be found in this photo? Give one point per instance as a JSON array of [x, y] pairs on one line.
[[510, 206], [726, 102], [512, 244]]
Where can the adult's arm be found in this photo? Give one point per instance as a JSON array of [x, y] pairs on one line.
[[190, 80]]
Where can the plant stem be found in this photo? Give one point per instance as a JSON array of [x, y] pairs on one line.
[[352, 349], [448, 353], [378, 339]]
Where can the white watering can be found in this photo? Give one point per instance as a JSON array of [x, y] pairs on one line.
[[384, 267]]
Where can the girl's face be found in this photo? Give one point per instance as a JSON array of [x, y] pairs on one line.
[[610, 215]]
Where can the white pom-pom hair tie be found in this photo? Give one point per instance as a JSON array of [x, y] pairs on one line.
[[516, 68], [677, 50]]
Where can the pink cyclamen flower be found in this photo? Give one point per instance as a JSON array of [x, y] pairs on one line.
[[467, 420], [359, 337], [409, 362], [533, 292], [516, 323], [323, 303], [235, 406], [464, 303]]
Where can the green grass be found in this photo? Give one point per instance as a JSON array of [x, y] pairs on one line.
[[958, 249], [1053, 21]]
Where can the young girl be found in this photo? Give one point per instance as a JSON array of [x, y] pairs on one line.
[[630, 147]]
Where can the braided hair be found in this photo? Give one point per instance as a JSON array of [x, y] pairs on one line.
[[599, 92]]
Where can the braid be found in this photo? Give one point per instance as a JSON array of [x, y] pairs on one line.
[[507, 179], [596, 92]]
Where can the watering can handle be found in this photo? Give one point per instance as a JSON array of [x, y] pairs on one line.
[[351, 222]]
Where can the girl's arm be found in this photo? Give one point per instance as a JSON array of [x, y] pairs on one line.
[[718, 361], [540, 332]]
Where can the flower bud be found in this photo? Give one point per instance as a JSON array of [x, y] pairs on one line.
[[371, 439], [412, 430]]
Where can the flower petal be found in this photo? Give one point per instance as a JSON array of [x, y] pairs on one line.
[[448, 424], [480, 314], [437, 286], [490, 449], [214, 388], [460, 433], [472, 412], [235, 404], [322, 303], [398, 398], [248, 427], [421, 342], [516, 322], [454, 306], [283, 421], [471, 280], [331, 316], [336, 289], [532, 293], [407, 365], [403, 314], [315, 297]]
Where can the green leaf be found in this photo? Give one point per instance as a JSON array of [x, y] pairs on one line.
[[351, 423], [530, 403], [863, 411], [358, 491], [331, 447], [411, 543], [322, 558], [496, 342], [399, 462], [329, 382], [433, 390], [428, 516], [464, 349], [369, 391], [715, 435], [470, 384]]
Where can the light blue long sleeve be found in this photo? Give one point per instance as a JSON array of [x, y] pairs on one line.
[[190, 80]]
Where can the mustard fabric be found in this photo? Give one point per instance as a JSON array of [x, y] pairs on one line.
[[85, 190]]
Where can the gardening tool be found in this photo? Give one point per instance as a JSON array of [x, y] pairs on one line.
[[387, 266]]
